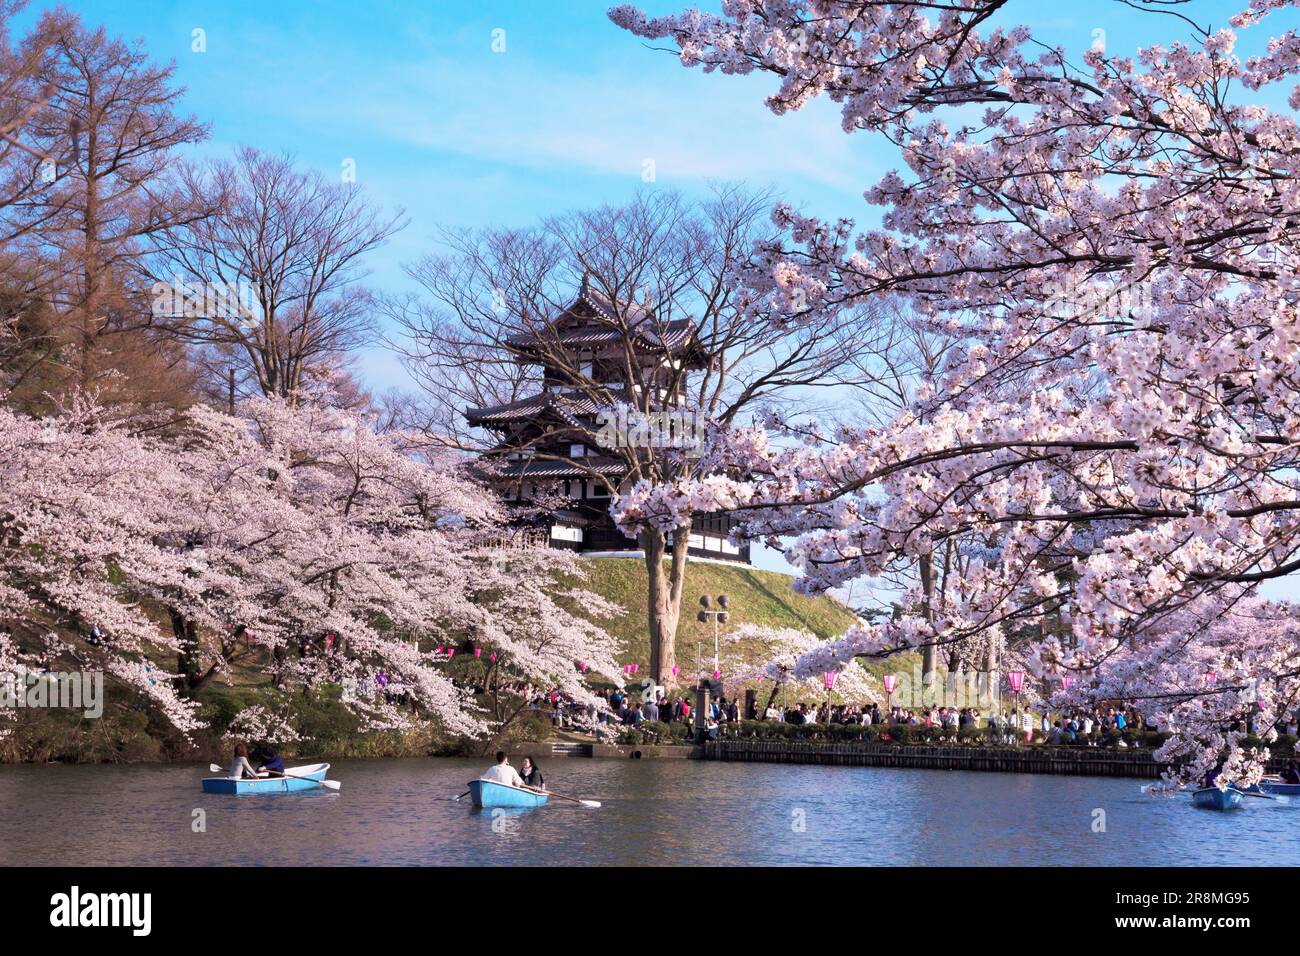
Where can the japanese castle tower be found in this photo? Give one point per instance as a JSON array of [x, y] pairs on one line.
[[544, 442]]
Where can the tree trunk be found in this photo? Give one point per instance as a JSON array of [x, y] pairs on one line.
[[930, 652], [188, 664], [664, 604], [770, 698], [90, 273]]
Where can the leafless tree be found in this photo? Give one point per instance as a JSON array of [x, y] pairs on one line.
[[293, 244], [661, 264]]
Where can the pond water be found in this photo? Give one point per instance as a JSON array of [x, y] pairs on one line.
[[655, 812]]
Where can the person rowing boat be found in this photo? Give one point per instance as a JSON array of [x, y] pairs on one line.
[[502, 772], [240, 767], [272, 763]]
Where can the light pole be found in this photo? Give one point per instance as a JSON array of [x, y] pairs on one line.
[[1017, 679], [720, 616]]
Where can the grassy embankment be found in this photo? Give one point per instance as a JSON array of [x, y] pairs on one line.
[[128, 731]]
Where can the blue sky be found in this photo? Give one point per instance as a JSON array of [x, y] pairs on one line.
[[459, 135]]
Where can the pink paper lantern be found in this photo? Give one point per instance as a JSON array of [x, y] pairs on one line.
[[635, 668], [582, 665], [890, 681], [829, 678], [627, 668], [1017, 679], [493, 657], [451, 652], [1066, 681], [441, 649], [478, 652], [675, 670], [1210, 678], [717, 674]]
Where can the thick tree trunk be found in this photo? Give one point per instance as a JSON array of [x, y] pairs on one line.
[[188, 664], [930, 652], [90, 275], [664, 604]]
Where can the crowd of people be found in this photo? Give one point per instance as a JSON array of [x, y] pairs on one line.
[[1096, 726], [1101, 725]]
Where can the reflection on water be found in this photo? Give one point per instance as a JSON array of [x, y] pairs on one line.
[[670, 812]]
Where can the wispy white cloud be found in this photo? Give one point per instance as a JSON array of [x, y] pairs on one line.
[[606, 119]]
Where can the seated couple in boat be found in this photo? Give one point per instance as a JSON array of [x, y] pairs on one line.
[[272, 764], [502, 772]]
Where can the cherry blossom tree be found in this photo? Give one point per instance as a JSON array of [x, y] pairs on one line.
[[779, 650], [294, 537], [1111, 242]]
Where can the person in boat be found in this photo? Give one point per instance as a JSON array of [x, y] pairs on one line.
[[272, 763], [1291, 774], [240, 767], [532, 774], [502, 772]]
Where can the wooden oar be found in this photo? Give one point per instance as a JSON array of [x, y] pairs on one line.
[[595, 804], [331, 784]]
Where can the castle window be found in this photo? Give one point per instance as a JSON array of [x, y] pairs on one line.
[[577, 451]]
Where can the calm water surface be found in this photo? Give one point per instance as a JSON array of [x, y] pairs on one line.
[[670, 812]]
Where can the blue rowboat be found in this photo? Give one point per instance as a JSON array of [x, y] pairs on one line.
[[489, 793], [1279, 789], [314, 772], [1212, 798]]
